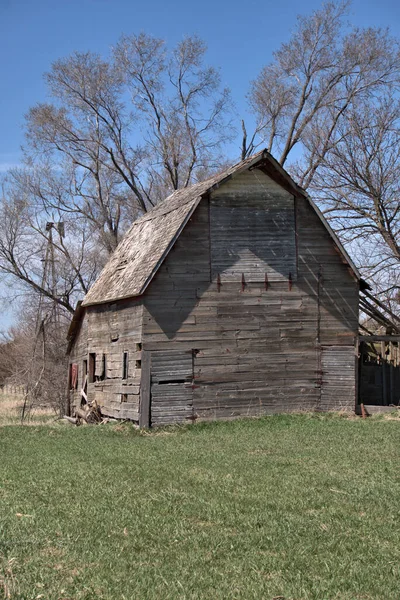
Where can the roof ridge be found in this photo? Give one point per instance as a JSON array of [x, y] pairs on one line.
[[149, 239]]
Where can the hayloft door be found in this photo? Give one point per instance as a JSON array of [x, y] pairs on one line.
[[171, 387]]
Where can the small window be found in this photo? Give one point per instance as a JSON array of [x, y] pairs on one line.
[[124, 397], [125, 366], [138, 347], [138, 364]]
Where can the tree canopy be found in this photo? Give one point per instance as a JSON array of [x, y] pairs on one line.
[[121, 132]]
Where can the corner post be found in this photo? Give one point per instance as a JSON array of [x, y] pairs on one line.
[[145, 390]]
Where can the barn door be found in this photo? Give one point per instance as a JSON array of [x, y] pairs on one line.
[[338, 365], [171, 387]]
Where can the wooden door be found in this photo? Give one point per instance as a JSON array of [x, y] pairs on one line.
[[338, 388], [171, 387]]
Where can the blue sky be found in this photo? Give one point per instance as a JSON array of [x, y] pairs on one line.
[[241, 37]]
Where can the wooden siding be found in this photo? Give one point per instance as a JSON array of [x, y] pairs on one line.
[[110, 330], [252, 230], [325, 276], [149, 239], [338, 377], [171, 386], [257, 345]]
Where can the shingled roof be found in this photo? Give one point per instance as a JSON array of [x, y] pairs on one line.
[[148, 241]]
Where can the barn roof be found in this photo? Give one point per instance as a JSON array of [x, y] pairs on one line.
[[148, 241]]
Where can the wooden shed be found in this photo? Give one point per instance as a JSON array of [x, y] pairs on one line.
[[230, 298]]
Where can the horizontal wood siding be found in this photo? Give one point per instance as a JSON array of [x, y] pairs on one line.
[[256, 343], [79, 352], [324, 274], [252, 230], [338, 381], [109, 330]]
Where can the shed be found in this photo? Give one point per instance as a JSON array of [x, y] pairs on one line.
[[230, 298]]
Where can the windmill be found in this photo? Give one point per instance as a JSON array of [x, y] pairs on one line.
[[49, 278], [47, 317]]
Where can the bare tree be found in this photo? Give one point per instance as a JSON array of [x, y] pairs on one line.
[[305, 93], [123, 133], [327, 107], [25, 243], [358, 184], [184, 112], [84, 135], [118, 135], [34, 360]]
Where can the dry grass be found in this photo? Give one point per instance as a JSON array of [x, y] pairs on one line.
[[8, 583], [11, 410]]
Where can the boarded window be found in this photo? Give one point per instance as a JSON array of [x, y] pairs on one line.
[[171, 367], [253, 237]]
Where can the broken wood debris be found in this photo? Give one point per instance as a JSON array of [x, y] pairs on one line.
[[87, 413]]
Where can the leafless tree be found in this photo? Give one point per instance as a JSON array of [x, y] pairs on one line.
[[70, 258], [305, 93], [33, 357], [327, 108], [118, 136], [358, 184], [170, 93], [126, 131]]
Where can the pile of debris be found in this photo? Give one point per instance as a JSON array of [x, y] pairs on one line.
[[88, 413]]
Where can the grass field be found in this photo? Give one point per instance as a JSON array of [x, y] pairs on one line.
[[293, 507]]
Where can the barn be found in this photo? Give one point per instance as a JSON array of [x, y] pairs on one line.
[[230, 298]]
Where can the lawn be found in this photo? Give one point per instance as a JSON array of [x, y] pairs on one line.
[[293, 507]]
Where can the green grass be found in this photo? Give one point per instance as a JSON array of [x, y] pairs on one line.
[[297, 507]]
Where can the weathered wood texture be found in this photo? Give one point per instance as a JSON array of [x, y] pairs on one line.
[[338, 378], [256, 340], [108, 331], [252, 230], [171, 386], [253, 311], [145, 391], [139, 255]]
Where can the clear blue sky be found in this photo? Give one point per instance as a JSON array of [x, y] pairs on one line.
[[241, 37]]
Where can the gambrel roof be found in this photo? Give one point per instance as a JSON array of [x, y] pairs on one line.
[[148, 241]]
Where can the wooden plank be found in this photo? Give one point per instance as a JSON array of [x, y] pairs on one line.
[[384, 374], [338, 389], [379, 338], [145, 390]]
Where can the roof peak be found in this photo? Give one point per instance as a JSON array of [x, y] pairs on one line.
[[148, 241]]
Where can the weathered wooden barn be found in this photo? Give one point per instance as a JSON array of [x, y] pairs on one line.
[[230, 298]]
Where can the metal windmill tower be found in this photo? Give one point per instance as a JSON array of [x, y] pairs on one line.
[[49, 278], [48, 316]]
